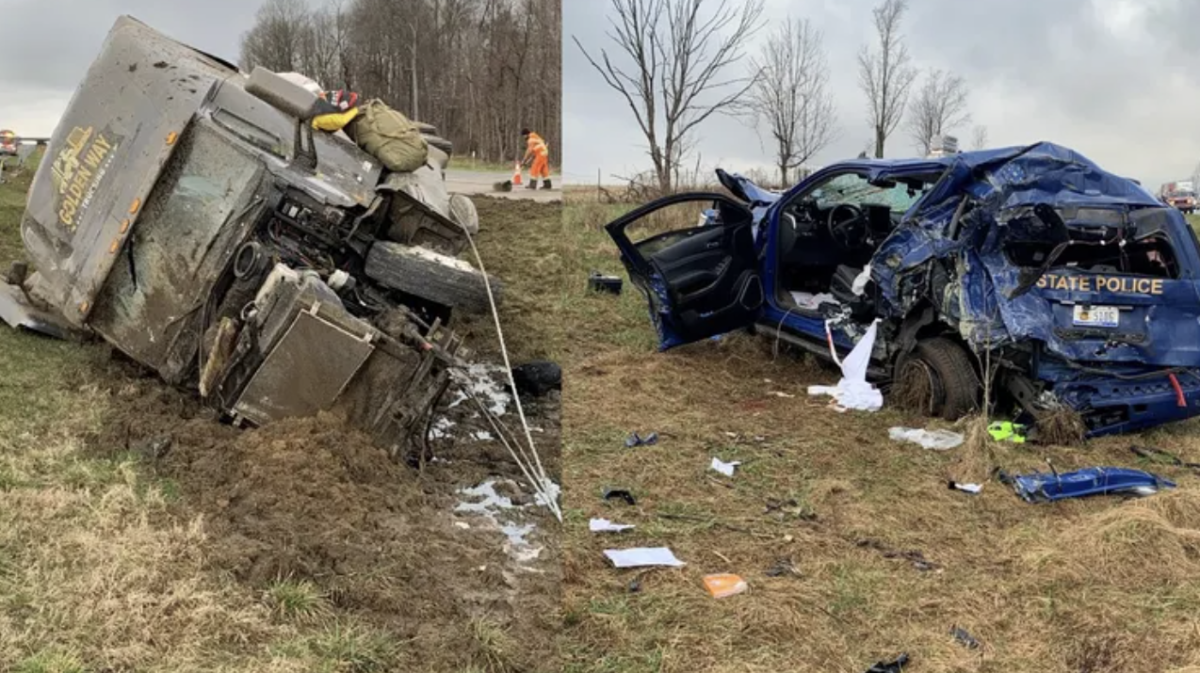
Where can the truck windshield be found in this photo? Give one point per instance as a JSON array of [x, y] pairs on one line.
[[202, 185]]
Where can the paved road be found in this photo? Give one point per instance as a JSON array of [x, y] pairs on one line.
[[481, 183]]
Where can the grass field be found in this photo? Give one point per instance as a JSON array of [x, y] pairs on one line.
[[1099, 585], [287, 550]]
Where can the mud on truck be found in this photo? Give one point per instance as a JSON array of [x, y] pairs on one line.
[[188, 214]]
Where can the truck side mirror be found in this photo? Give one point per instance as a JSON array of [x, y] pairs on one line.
[[280, 93], [294, 100]]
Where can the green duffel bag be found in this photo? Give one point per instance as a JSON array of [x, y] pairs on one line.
[[390, 137]]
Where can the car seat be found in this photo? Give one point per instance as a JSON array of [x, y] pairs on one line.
[[841, 286], [805, 259]]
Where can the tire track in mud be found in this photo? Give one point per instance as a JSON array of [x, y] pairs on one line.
[[310, 500]]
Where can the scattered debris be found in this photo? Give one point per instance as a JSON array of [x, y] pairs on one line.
[[914, 556], [812, 302], [1007, 431], [779, 393], [853, 391], [637, 440], [724, 468], [783, 568], [606, 526], [937, 440], [537, 378], [598, 282], [1041, 487], [896, 666], [635, 585], [789, 507], [725, 585], [621, 494], [965, 638], [1161, 456], [973, 489], [640, 557]]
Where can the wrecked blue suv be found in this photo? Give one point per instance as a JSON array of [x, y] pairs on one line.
[[1072, 287]]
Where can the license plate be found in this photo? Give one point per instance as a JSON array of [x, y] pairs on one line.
[[1097, 316]]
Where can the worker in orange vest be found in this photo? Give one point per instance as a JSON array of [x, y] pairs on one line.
[[537, 151]]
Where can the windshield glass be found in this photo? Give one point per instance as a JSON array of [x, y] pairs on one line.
[[855, 190]]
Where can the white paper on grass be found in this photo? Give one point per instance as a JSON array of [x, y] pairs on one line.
[[723, 467], [606, 526], [937, 440], [642, 557], [853, 391], [973, 489]]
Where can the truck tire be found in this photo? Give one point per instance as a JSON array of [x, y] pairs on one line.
[[955, 385], [432, 276]]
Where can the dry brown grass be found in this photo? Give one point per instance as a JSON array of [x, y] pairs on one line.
[[1061, 425], [1014, 575]]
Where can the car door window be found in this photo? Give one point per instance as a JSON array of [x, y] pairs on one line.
[[671, 224]]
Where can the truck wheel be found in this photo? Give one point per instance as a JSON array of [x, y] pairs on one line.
[[431, 276], [941, 373]]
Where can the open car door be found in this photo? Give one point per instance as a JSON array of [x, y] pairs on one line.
[[695, 262]]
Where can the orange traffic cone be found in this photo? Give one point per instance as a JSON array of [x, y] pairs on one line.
[[516, 175]]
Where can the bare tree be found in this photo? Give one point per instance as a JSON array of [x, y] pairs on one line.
[[678, 56], [791, 98], [979, 138], [479, 70], [885, 76], [276, 40], [940, 105]]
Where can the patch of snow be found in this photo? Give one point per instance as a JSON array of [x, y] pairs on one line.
[[553, 490], [487, 503], [444, 260], [489, 383], [441, 428]]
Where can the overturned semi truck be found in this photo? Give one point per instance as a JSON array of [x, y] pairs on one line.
[[188, 214]]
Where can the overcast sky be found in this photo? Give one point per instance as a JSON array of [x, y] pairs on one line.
[[1117, 80], [46, 46]]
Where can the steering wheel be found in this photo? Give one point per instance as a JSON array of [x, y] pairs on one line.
[[847, 226]]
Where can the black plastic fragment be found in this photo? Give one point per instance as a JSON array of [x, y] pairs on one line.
[[620, 494], [896, 666]]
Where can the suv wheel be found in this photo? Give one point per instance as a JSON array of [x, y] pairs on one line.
[[939, 377]]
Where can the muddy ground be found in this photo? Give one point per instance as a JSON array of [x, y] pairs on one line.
[[309, 501]]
